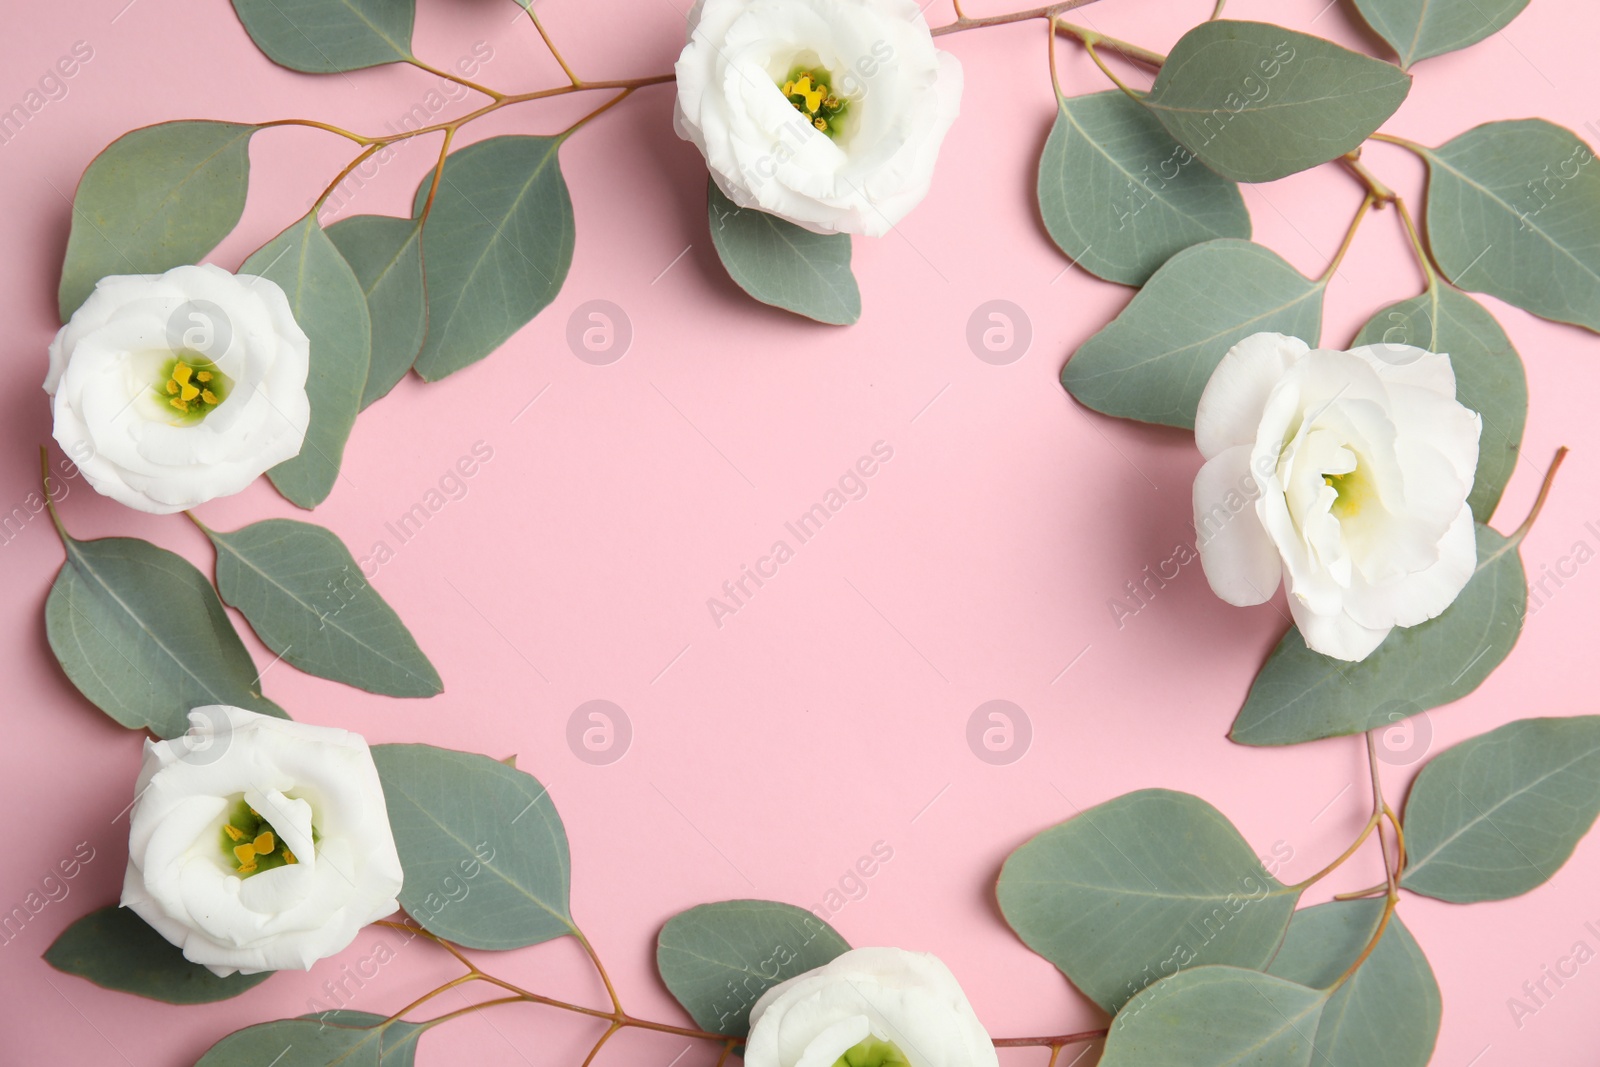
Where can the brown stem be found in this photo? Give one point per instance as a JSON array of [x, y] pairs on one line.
[[366, 154], [548, 43], [1381, 193], [1056, 1042], [614, 1027], [1538, 504], [1048, 11], [447, 76], [1349, 236], [1126, 49], [438, 176], [594, 958], [1391, 869], [596, 113]]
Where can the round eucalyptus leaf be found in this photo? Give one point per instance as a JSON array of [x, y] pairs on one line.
[[1514, 211], [154, 199], [1216, 1017], [1419, 29], [325, 1039], [1499, 814], [717, 959], [1154, 359], [785, 265], [1258, 102], [1121, 197], [1139, 888], [1301, 695], [483, 850], [386, 255], [327, 36], [115, 949]]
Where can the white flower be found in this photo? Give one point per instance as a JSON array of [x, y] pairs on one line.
[[1346, 473], [828, 113], [173, 389], [259, 844], [871, 1007]]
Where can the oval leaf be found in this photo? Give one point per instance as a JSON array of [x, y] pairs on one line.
[[498, 244], [1140, 887], [326, 1039], [1418, 29], [330, 307], [115, 949], [326, 36], [386, 255], [1216, 1017], [1514, 211], [305, 596], [1258, 102], [782, 264], [1388, 1011], [1153, 360], [156, 198], [483, 850], [1301, 695], [142, 634], [1489, 375], [1120, 197], [1499, 814], [717, 959]]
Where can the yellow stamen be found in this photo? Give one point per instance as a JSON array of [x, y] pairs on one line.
[[813, 95], [203, 376], [820, 123], [245, 854], [233, 832], [288, 857], [181, 373], [179, 404], [189, 392], [264, 843], [208, 396], [172, 386]]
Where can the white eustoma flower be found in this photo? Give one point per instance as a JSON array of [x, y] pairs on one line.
[[259, 844], [170, 390], [871, 1007], [828, 113], [1345, 473]]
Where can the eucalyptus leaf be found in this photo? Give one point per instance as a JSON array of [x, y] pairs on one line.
[[1301, 695], [327, 36], [1514, 211], [498, 244], [1257, 102], [1388, 1011], [143, 636], [483, 851], [1489, 375], [1154, 359], [386, 255], [325, 1039], [785, 265], [1499, 814], [1216, 1017], [717, 959], [1420, 29], [328, 303], [1121, 197], [154, 199], [115, 949], [1140, 887], [306, 598]]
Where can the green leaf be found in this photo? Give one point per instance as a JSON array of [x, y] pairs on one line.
[[1499, 814], [717, 959], [115, 949], [498, 244], [1153, 360], [1120, 197], [327, 36], [386, 255], [1139, 887], [305, 596], [142, 634], [1514, 211], [1418, 29], [1489, 375], [784, 265], [331, 308], [156, 198], [1301, 695], [1216, 1017], [483, 850], [1388, 1011], [1258, 102], [325, 1039]]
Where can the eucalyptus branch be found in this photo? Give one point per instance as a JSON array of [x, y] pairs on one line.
[[550, 44], [1126, 49], [1538, 502], [1349, 236], [1391, 870], [1047, 12], [492, 94], [1055, 1044]]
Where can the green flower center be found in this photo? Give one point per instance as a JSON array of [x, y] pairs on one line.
[[249, 843], [807, 88], [871, 1052], [1355, 492], [192, 387]]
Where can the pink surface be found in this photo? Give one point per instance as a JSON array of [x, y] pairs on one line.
[[830, 712]]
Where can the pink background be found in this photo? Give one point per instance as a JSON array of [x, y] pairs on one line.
[[830, 713]]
